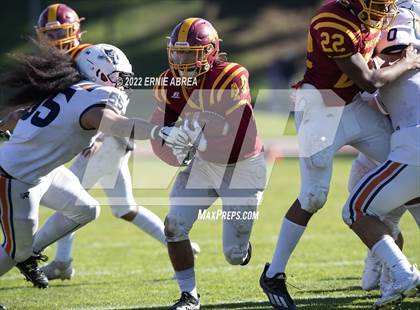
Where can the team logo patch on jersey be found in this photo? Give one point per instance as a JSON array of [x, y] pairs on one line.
[[24, 195], [111, 54], [176, 95]]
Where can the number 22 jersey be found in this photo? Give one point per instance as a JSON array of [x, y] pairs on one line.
[[336, 33], [50, 133]]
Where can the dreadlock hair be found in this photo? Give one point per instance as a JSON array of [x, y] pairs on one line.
[[34, 77]]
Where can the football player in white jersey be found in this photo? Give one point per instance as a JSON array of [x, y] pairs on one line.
[[396, 181], [371, 277], [73, 105], [107, 157]]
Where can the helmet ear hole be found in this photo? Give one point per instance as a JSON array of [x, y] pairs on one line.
[[104, 78]]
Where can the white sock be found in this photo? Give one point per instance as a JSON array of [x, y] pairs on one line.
[[186, 281], [64, 247], [150, 223], [56, 227], [390, 254], [289, 237], [6, 262]]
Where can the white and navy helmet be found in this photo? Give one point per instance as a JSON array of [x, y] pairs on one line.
[[103, 64], [404, 30]]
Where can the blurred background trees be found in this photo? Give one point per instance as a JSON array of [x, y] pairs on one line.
[[268, 37]]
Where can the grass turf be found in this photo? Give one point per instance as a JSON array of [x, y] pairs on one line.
[[119, 267]]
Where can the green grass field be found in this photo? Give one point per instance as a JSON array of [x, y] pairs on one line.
[[119, 267]]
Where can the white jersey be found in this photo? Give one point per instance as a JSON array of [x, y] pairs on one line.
[[401, 99], [413, 5], [51, 134]]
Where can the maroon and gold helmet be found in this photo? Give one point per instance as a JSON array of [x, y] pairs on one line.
[[59, 24], [377, 14], [193, 47]]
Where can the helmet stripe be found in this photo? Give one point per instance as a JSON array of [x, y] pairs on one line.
[[52, 12], [185, 28]]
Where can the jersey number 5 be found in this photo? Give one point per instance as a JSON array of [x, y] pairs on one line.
[[51, 105]]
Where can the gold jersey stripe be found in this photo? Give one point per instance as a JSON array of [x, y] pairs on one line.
[[156, 94], [236, 106], [347, 31], [310, 43], [185, 28], [218, 79], [335, 16], [201, 91], [226, 83], [52, 12], [156, 89], [164, 91]]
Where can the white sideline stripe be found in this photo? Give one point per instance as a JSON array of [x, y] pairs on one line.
[[283, 302], [209, 270]]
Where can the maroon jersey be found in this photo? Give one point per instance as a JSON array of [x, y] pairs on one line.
[[335, 32], [224, 89], [76, 51]]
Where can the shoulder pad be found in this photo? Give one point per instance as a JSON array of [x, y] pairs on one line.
[[114, 98]]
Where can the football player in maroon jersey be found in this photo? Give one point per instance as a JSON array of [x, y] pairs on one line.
[[229, 166], [330, 114]]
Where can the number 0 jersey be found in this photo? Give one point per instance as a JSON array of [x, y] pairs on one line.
[[50, 133], [401, 101], [335, 32]]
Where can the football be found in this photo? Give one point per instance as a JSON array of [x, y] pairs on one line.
[[212, 123]]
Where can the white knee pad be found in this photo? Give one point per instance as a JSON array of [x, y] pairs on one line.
[[83, 214], [236, 233], [236, 254], [175, 229], [314, 199], [321, 159]]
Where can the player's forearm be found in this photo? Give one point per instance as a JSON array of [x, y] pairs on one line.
[[386, 75], [135, 128]]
